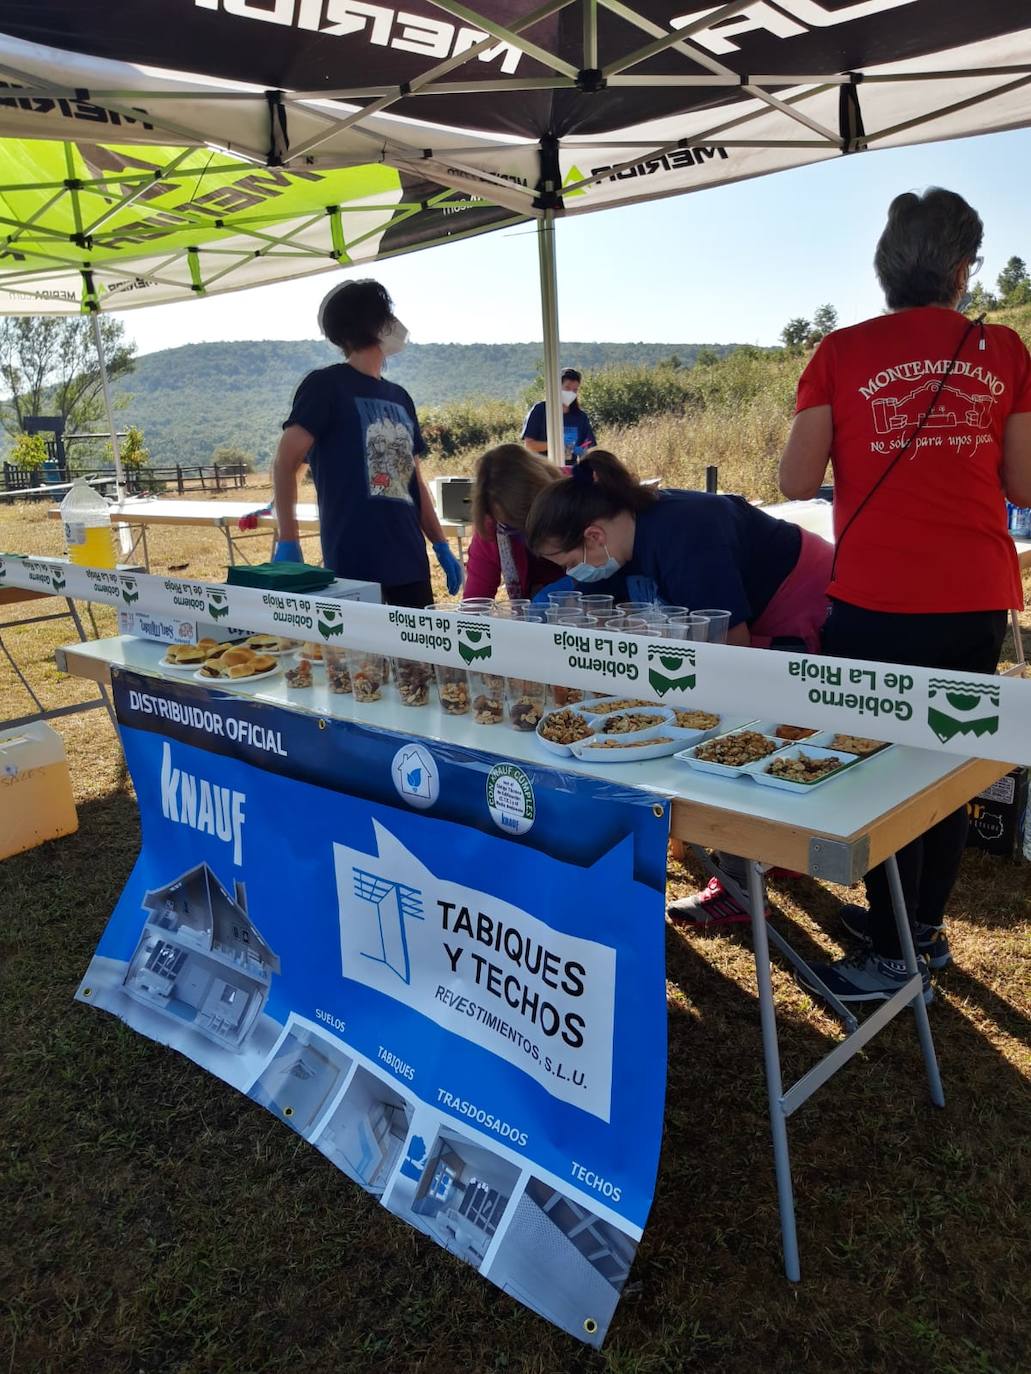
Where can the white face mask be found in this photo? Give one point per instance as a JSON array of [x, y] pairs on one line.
[[393, 338], [568, 397]]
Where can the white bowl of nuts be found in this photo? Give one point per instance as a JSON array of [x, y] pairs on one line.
[[731, 755], [801, 768], [559, 729], [634, 723]]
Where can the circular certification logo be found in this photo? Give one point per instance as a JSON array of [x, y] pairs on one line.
[[510, 799], [416, 776]]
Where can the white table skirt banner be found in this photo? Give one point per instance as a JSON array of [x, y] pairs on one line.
[[969, 714], [445, 971]]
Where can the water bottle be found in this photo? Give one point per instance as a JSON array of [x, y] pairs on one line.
[[87, 530]]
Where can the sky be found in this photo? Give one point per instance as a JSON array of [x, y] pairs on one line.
[[728, 265]]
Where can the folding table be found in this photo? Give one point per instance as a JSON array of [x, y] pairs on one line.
[[837, 833]]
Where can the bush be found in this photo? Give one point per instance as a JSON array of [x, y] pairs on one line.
[[470, 425], [28, 451]]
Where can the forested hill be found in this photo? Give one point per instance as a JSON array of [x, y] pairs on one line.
[[190, 400]]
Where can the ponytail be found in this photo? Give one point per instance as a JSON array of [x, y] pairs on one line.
[[600, 488]]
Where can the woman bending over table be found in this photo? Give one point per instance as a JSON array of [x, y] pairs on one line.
[[925, 417], [507, 480]]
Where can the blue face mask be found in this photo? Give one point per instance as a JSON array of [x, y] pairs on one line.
[[587, 572]]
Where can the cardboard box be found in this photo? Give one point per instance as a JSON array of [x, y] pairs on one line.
[[36, 802], [997, 816]]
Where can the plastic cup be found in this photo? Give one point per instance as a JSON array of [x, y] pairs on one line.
[[565, 598], [632, 607], [338, 673], [487, 692], [369, 674], [690, 627], [527, 702], [413, 679], [476, 605], [634, 625], [596, 604], [453, 689], [718, 625], [673, 612]]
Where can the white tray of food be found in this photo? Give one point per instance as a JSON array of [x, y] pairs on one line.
[[622, 749], [731, 755], [704, 725], [604, 706], [640, 722], [558, 731], [800, 767], [841, 741]]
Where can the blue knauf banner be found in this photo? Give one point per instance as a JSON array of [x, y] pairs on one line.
[[444, 970]]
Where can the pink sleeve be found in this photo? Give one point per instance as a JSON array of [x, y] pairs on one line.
[[482, 567], [814, 385]]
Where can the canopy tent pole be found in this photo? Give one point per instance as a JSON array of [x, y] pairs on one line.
[[109, 409], [549, 318]]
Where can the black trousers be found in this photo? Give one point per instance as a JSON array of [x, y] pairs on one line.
[[967, 641], [417, 595]]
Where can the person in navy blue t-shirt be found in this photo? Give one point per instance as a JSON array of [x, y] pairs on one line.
[[578, 435], [686, 548], [360, 436]]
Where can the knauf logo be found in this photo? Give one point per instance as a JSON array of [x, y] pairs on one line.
[[218, 605], [329, 619], [670, 669], [962, 708], [130, 590], [474, 644]]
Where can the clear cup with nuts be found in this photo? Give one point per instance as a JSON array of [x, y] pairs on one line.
[[488, 698], [369, 674], [453, 689], [338, 672], [413, 680], [527, 702]]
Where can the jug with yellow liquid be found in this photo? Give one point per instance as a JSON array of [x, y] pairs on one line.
[[87, 529]]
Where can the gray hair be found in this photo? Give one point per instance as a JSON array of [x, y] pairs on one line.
[[925, 240]]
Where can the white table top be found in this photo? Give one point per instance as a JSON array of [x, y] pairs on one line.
[[844, 808], [815, 516], [158, 511]]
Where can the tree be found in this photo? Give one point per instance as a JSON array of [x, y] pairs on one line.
[[824, 321], [981, 300], [49, 366], [1014, 283], [795, 334], [227, 454], [133, 452], [28, 451], [706, 356]]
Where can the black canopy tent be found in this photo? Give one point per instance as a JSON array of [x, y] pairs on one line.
[[153, 151]]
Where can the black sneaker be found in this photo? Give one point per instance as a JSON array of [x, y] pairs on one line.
[[862, 977], [931, 941]]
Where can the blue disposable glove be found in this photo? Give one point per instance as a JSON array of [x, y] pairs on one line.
[[564, 584], [287, 551], [451, 566]]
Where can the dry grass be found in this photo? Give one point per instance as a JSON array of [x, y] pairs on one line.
[[155, 1220]]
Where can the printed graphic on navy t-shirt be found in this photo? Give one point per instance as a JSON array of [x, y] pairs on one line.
[[389, 460]]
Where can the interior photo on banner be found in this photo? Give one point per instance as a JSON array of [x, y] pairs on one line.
[[445, 971]]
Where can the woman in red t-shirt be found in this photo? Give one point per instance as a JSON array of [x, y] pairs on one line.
[[507, 480], [925, 417]]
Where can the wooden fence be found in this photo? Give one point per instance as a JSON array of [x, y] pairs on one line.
[[184, 477]]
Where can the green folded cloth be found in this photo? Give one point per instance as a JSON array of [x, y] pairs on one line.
[[280, 577]]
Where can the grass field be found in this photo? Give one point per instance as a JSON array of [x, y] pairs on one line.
[[155, 1220]]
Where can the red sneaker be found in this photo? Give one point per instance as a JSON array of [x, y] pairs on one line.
[[712, 907]]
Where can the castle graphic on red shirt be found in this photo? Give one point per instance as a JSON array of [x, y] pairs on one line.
[[954, 409]]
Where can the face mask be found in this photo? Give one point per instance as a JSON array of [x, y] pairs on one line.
[[393, 338], [587, 572], [568, 397]]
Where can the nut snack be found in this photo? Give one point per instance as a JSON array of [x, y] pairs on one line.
[[804, 769], [734, 751], [299, 676], [610, 706], [695, 720], [413, 681], [793, 732], [564, 727], [628, 725], [629, 743], [856, 744]]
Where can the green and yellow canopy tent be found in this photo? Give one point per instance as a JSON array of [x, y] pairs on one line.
[[155, 150]]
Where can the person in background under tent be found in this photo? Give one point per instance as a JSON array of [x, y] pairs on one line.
[[578, 435], [361, 437], [926, 418]]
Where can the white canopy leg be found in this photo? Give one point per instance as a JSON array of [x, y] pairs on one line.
[[549, 319]]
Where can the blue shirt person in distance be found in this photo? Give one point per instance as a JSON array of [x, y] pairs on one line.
[[578, 434], [360, 435]]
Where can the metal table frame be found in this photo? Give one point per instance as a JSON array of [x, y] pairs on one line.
[[765, 842], [12, 596]]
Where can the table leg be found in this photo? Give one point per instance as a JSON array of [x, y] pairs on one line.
[[74, 614], [230, 546], [923, 1024], [1018, 639], [774, 1082]]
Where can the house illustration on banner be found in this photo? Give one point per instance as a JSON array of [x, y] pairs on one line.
[[954, 409], [394, 903], [201, 959]]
